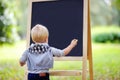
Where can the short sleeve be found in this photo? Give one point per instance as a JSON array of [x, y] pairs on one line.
[[57, 52], [24, 57]]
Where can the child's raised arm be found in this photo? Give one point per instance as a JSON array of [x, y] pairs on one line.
[[70, 47]]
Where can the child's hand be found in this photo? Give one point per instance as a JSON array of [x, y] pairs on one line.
[[70, 47], [74, 42]]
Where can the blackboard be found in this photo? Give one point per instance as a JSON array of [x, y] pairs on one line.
[[64, 20]]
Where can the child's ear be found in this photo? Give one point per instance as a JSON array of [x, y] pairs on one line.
[[47, 40]]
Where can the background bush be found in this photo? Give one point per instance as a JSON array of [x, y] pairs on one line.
[[107, 34], [8, 22], [107, 37]]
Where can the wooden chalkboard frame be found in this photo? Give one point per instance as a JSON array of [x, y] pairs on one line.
[[87, 50]]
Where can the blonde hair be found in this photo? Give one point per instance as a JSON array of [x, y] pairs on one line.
[[39, 33]]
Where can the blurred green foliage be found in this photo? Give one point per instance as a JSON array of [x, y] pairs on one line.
[[14, 13], [104, 13], [106, 34], [8, 22], [13, 20], [107, 37], [116, 3]]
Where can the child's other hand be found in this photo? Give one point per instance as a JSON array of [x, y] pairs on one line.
[[74, 42]]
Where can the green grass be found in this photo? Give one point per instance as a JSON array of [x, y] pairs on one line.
[[106, 58], [106, 62], [9, 66]]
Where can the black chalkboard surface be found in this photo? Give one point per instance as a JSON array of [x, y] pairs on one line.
[[64, 20]]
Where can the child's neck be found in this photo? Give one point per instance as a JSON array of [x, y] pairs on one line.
[[40, 42]]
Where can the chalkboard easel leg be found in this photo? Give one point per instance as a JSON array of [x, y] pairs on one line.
[[84, 69], [89, 55]]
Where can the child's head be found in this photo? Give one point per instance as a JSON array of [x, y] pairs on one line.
[[39, 34]]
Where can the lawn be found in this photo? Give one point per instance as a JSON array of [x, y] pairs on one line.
[[106, 62]]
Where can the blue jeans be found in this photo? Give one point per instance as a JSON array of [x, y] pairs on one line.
[[33, 76]]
